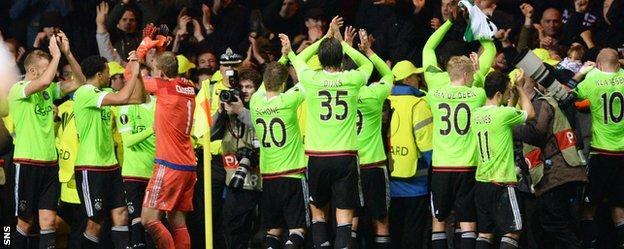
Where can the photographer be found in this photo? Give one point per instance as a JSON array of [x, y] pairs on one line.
[[563, 174], [232, 124]]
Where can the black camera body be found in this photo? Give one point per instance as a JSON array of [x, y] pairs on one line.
[[247, 157], [229, 96]]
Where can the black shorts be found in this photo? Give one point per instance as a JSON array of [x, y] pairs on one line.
[[606, 174], [36, 187], [334, 179], [135, 192], [453, 191], [285, 203], [376, 191], [499, 208], [100, 191]]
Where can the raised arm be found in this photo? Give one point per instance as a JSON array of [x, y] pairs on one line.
[[380, 65], [73, 63], [43, 81], [524, 100], [297, 60], [429, 55], [364, 65], [487, 57], [125, 95]]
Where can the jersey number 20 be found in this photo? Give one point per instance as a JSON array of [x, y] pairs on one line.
[[269, 128]]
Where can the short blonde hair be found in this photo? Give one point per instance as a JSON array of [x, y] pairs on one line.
[[608, 56], [457, 66], [34, 56], [168, 64]]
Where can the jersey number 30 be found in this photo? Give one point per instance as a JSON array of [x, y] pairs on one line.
[[330, 108], [269, 128], [450, 124]]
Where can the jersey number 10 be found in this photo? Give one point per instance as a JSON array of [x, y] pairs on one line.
[[607, 107]]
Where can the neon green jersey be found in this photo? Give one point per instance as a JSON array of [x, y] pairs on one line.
[[451, 106], [34, 124], [370, 104], [93, 122], [454, 147], [277, 128], [331, 100], [135, 124], [605, 92], [492, 129]]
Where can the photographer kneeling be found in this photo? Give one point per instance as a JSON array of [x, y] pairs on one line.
[[232, 124]]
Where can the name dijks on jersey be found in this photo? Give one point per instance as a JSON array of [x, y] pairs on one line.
[[457, 95], [332, 83]]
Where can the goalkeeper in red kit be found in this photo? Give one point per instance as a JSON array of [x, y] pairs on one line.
[[170, 189]]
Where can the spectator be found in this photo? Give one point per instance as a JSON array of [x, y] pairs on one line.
[[608, 30], [32, 12], [231, 23], [283, 16], [50, 24], [578, 18], [207, 60], [102, 36], [549, 28], [124, 23]]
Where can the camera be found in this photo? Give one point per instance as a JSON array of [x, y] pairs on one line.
[[544, 75], [230, 95], [247, 157]]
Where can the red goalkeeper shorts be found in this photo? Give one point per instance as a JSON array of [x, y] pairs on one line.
[[170, 189]]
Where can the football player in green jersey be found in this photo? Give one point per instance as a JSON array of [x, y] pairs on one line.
[[452, 96], [604, 87], [37, 187], [498, 206], [330, 141], [282, 158], [101, 187], [371, 151], [136, 124]]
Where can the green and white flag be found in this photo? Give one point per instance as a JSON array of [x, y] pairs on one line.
[[479, 25]]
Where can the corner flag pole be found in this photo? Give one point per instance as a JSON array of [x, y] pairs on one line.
[[207, 191], [207, 174]]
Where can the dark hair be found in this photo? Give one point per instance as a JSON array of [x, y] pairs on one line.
[[251, 75], [275, 75], [93, 65], [495, 82], [330, 53], [348, 63]]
